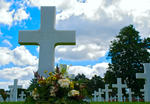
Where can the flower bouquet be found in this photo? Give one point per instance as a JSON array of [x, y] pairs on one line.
[[56, 88]]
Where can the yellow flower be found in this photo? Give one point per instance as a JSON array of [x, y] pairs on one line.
[[72, 85], [48, 78], [53, 78], [45, 71], [50, 73]]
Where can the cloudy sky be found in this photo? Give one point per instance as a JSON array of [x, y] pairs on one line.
[[96, 23]]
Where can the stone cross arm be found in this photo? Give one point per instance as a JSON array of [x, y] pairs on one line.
[[29, 37], [140, 76], [35, 37], [65, 38]]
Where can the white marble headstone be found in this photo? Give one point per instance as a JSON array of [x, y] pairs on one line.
[[95, 96], [130, 95], [22, 95], [144, 94], [14, 90], [107, 90], [146, 76], [1, 99], [119, 86], [100, 94], [47, 37]]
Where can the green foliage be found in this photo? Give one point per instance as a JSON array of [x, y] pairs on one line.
[[119, 103], [127, 52], [91, 84], [95, 83], [3, 94]]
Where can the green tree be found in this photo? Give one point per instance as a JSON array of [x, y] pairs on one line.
[[3, 94], [127, 52], [95, 83]]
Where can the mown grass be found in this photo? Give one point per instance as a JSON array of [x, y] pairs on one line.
[[12, 103], [120, 103], [90, 103]]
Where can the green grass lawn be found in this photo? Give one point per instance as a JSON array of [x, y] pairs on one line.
[[119, 103], [90, 103]]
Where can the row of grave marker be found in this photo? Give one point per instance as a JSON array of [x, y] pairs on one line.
[[97, 95], [119, 86]]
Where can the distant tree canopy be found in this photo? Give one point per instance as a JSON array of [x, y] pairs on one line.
[[127, 52], [91, 84]]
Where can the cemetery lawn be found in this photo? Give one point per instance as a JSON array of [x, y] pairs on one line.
[[119, 103], [90, 103]]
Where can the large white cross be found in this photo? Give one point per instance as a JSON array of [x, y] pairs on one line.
[[119, 86], [107, 90], [146, 76], [47, 37], [14, 90]]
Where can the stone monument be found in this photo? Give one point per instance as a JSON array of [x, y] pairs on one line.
[[146, 76], [14, 90], [100, 92], [47, 37], [22, 95], [107, 90], [95, 96], [119, 86], [130, 95]]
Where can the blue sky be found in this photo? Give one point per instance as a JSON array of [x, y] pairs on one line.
[[96, 23]]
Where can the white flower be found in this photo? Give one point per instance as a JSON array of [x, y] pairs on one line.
[[73, 93], [35, 95], [64, 83]]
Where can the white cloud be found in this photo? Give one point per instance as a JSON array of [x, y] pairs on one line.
[[18, 56], [85, 51], [21, 15], [24, 75], [5, 13], [89, 71], [5, 41], [5, 56], [22, 56], [8, 16]]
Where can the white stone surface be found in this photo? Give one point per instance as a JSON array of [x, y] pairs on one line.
[[130, 95], [95, 96], [124, 99], [146, 76], [100, 95], [119, 86], [138, 99], [111, 98], [115, 98], [22, 96], [14, 90], [106, 90], [144, 94], [47, 37], [1, 99]]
